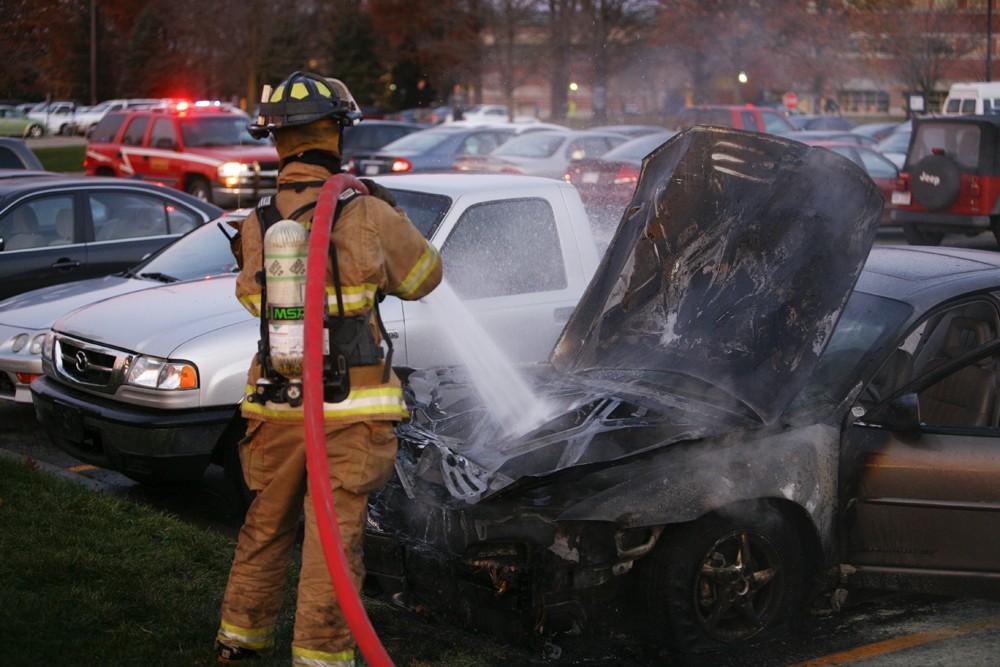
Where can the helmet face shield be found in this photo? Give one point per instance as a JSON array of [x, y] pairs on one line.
[[304, 98]]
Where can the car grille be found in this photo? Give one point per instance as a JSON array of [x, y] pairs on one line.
[[97, 367]]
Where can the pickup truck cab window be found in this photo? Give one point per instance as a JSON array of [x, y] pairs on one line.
[[505, 247], [39, 223]]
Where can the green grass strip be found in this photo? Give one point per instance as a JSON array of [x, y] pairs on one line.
[[62, 158]]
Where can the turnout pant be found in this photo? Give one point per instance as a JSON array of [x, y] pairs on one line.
[[360, 459]]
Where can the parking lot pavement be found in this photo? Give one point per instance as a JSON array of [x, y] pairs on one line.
[[56, 142]]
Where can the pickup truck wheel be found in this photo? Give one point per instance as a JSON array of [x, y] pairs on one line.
[[241, 494], [917, 236], [723, 579], [35, 131], [198, 187]]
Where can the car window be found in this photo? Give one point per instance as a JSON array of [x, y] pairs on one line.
[[208, 131], [952, 106], [38, 223], [775, 123], [960, 141], [9, 159], [420, 142], [749, 121], [586, 147], [203, 252], [163, 135], [969, 106], [481, 143], [877, 166], [424, 210], [135, 131], [107, 129], [180, 220], [127, 215], [505, 247], [535, 144]]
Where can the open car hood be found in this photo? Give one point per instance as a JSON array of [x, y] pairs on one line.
[[731, 267]]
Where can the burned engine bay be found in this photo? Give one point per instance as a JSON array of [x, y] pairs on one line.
[[665, 395]]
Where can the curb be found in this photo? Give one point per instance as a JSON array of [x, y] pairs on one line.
[[54, 470]]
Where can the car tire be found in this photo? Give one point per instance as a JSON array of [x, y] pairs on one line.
[[698, 611], [917, 236], [64, 129], [198, 187], [241, 494], [35, 131]]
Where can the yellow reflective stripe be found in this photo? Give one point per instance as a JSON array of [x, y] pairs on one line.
[[356, 298], [418, 274], [313, 658], [380, 401], [252, 638], [252, 303]]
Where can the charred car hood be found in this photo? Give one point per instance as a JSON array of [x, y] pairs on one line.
[[731, 266]]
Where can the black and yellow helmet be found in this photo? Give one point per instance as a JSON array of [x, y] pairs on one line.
[[304, 98]]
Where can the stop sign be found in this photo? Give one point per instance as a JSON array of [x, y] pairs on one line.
[[790, 100]]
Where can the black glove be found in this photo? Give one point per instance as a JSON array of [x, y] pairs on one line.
[[376, 190]]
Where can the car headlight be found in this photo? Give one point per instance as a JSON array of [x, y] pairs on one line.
[[230, 173], [19, 341], [36, 344], [48, 345], [162, 374]]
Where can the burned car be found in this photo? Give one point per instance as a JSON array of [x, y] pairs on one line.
[[733, 407]]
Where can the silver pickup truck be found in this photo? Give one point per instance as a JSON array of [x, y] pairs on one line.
[[518, 250]]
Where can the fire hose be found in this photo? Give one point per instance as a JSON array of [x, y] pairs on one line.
[[315, 434]]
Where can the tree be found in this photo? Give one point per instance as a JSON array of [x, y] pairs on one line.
[[615, 26], [508, 21], [562, 16]]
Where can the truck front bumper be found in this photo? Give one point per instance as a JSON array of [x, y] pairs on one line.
[[140, 442]]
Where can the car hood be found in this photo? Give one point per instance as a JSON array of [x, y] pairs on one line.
[[238, 153], [158, 321], [731, 266], [39, 308]]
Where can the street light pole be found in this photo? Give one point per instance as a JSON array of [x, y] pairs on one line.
[[93, 52], [989, 40]]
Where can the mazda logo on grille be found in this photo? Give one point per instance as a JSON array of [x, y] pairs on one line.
[[81, 361]]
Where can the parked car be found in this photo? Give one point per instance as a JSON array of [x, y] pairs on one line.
[[432, 150], [606, 183], [745, 117], [55, 228], [146, 431], [838, 136], [56, 116], [895, 145], [630, 130], [15, 123], [735, 410], [15, 155], [544, 153], [26, 318], [950, 182], [820, 122], [86, 119], [879, 168], [205, 151], [877, 131], [372, 135]]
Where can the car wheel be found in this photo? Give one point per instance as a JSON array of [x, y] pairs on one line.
[[35, 131], [64, 129], [917, 236], [241, 494], [198, 187], [723, 579]]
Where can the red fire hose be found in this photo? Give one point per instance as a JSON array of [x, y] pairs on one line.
[[312, 387]]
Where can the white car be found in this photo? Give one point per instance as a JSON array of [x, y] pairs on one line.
[[58, 117], [87, 118], [518, 250]]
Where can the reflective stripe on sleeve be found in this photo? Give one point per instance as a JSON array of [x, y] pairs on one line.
[[252, 303], [312, 658], [418, 274], [379, 403], [357, 298], [252, 638]]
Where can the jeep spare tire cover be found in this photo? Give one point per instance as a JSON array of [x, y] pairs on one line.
[[936, 182]]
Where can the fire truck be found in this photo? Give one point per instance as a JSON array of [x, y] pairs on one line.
[[202, 148]]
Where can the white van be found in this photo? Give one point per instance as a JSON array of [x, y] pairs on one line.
[[975, 97]]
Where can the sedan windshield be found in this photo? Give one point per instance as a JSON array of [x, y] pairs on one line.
[[536, 144], [418, 142], [199, 253], [206, 132], [637, 149]]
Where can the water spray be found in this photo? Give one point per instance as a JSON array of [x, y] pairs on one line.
[[315, 434]]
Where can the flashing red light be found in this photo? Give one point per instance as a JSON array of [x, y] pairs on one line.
[[400, 165], [627, 175], [183, 106]]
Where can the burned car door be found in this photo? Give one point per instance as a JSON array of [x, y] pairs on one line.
[[924, 471]]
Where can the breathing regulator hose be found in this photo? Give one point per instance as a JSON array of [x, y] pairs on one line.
[[316, 458]]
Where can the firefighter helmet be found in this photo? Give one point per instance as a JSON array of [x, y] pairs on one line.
[[304, 98]]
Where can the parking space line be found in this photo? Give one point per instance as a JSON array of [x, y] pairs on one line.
[[900, 643], [83, 467]]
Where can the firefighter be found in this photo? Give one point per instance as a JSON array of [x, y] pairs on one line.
[[375, 249]]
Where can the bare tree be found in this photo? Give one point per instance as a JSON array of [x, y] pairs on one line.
[[508, 21], [562, 16], [615, 26]]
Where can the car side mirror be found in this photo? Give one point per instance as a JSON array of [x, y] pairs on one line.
[[900, 415]]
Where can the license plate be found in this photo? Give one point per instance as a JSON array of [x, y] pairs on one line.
[[900, 198], [371, 170], [590, 176], [68, 421]]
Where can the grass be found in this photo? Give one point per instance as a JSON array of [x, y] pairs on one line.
[[89, 579], [62, 158]]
